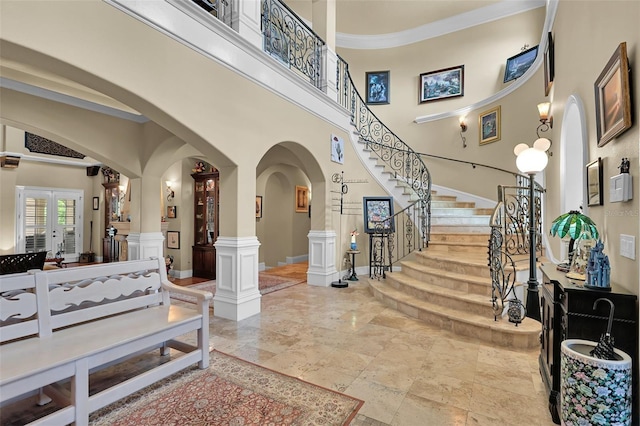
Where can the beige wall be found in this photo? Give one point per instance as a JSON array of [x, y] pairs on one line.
[[586, 34]]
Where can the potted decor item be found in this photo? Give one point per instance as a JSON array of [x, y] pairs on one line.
[[354, 234], [579, 228]]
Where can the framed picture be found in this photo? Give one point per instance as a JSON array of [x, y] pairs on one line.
[[489, 126], [613, 97], [519, 64], [377, 87], [96, 203], [173, 239], [302, 199], [377, 215], [441, 84], [337, 149], [549, 67], [594, 183], [258, 206], [172, 212]]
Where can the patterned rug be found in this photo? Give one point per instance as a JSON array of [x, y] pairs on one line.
[[231, 392], [266, 284]]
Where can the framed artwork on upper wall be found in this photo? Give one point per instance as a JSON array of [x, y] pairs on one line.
[[489, 126], [302, 199], [613, 97], [441, 84], [337, 149], [518, 64], [594, 183], [377, 87], [172, 212], [549, 66], [258, 206]]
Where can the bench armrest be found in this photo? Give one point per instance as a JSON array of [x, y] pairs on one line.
[[201, 295]]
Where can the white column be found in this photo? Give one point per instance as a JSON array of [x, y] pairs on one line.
[[145, 245], [237, 295], [330, 73], [322, 258], [247, 21]]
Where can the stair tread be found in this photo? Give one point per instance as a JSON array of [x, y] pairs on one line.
[[529, 326], [441, 272], [440, 291]]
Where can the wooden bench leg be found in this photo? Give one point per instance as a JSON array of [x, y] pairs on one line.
[[80, 392], [164, 349], [43, 399]]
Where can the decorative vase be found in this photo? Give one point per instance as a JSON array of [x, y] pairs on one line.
[[354, 246], [592, 390]]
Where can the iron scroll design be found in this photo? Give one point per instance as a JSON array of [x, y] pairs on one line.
[[515, 226], [291, 41]]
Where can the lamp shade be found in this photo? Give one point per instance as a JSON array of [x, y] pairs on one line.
[[573, 224], [543, 110], [531, 160]]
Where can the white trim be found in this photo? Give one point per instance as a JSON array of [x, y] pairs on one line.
[[439, 28], [552, 7], [52, 160], [70, 100]]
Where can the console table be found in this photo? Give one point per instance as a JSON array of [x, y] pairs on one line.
[[567, 313]]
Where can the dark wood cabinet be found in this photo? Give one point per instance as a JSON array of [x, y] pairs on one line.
[[206, 228], [567, 313]]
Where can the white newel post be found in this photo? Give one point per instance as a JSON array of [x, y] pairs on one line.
[[322, 254], [329, 82], [237, 295], [247, 21], [145, 245]]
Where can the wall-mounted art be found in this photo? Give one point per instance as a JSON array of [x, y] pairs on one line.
[[441, 84], [549, 65], [173, 239], [96, 203], [613, 97], [518, 64], [594, 183], [377, 87], [258, 206], [302, 199], [172, 212], [337, 149], [489, 126], [376, 212]]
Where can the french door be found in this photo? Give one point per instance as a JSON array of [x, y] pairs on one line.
[[50, 220]]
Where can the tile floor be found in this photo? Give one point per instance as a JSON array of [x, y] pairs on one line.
[[407, 372]]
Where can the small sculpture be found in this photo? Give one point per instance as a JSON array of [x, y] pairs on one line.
[[624, 165], [598, 268], [199, 167]]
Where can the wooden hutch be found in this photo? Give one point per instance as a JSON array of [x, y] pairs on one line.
[[206, 228]]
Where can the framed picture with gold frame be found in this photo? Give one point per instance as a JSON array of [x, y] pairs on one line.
[[489, 126], [258, 206], [613, 97], [594, 183], [302, 199]]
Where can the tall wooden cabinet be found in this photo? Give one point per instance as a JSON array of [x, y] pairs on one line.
[[567, 313], [206, 208]]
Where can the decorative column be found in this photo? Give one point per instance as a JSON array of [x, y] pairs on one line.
[[324, 24], [322, 254], [237, 295], [247, 21], [145, 239]]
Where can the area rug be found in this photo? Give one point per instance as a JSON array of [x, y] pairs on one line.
[[231, 392], [266, 284]]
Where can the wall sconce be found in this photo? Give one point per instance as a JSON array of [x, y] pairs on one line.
[[170, 193], [546, 121], [463, 128]]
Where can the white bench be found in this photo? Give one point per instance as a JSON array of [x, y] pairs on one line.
[[61, 325]]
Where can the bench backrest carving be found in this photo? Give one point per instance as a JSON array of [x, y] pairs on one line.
[[68, 296]]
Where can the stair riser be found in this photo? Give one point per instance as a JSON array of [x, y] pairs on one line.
[[466, 238], [459, 211], [483, 289], [453, 248], [479, 229], [483, 309], [496, 337], [460, 220], [451, 204], [458, 268]]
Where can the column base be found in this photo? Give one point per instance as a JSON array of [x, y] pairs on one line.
[[322, 252]]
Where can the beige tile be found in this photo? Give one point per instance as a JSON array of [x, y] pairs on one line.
[[443, 389], [419, 411], [381, 403]]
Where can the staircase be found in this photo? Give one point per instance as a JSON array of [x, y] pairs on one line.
[[448, 284]]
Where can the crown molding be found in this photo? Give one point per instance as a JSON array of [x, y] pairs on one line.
[[439, 28]]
